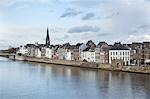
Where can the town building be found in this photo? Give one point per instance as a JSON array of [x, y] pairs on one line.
[[81, 48], [23, 50], [31, 49], [63, 52], [135, 53], [48, 53], [38, 52], [145, 55], [102, 53], [88, 55], [74, 49], [119, 52]]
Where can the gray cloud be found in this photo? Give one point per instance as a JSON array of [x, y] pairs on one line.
[[104, 34], [70, 12], [84, 28], [88, 16], [88, 3], [111, 15], [144, 28]]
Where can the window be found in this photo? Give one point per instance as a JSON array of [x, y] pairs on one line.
[[116, 53], [113, 53], [120, 53]]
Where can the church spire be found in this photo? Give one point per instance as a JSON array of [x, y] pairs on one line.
[[47, 38]]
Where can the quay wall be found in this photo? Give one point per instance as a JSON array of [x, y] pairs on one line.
[[133, 69], [64, 62]]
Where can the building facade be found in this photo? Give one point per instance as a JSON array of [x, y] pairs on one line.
[[119, 52], [23, 50], [102, 53], [88, 55]]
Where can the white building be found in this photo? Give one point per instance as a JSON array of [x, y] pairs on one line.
[[119, 52], [23, 50], [48, 53], [64, 54], [68, 55], [81, 48], [88, 55], [38, 52]]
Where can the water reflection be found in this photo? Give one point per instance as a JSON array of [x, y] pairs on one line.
[[27, 80]]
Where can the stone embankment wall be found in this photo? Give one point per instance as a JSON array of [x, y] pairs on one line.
[[134, 69], [64, 62], [20, 58], [137, 69]]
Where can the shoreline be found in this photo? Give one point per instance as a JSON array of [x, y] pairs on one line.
[[91, 65], [81, 64]]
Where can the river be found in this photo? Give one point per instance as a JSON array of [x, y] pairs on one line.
[[27, 80]]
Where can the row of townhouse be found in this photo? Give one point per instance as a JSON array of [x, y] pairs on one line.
[[129, 54], [36, 50], [93, 53], [139, 53], [64, 52], [102, 53]]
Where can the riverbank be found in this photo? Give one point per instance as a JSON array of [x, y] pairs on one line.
[[81, 64], [64, 62], [133, 69]]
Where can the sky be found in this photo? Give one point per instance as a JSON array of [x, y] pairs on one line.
[[73, 21]]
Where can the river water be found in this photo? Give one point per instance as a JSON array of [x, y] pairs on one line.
[[26, 80]]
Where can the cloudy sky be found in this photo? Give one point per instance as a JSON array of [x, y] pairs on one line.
[[25, 21]]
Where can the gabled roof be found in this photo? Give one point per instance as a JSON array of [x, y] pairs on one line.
[[87, 49], [65, 46], [118, 46], [90, 43], [79, 44], [100, 44]]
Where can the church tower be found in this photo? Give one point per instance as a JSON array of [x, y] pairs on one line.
[[47, 38]]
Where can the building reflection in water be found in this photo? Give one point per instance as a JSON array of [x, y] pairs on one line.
[[27, 80], [110, 85]]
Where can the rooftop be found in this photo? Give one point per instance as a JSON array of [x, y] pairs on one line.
[[118, 46]]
